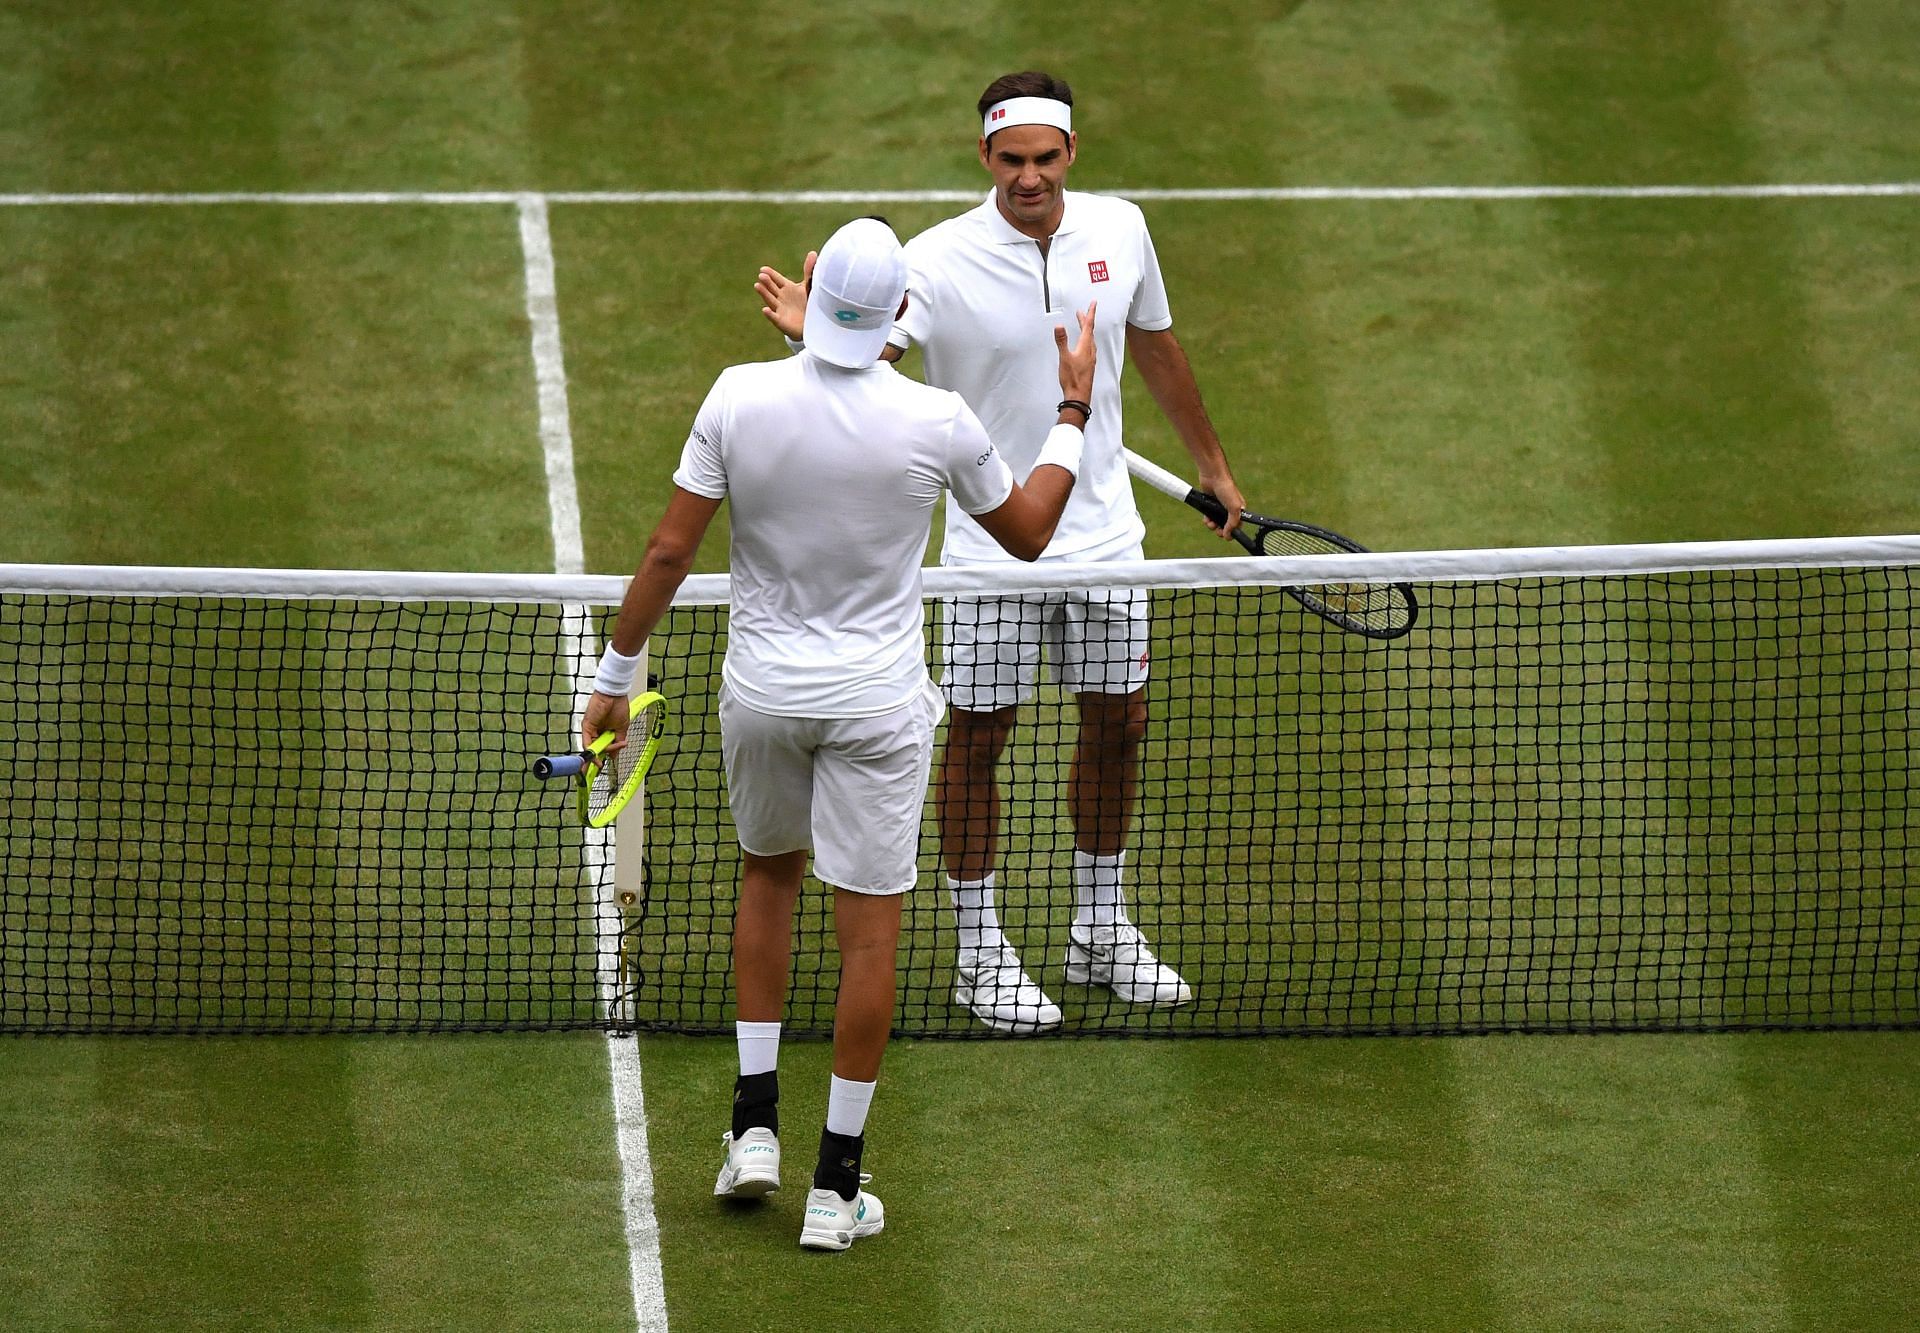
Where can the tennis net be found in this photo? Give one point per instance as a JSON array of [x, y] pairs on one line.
[[1599, 789]]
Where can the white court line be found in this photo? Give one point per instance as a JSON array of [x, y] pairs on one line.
[[556, 435], [1296, 194], [563, 502]]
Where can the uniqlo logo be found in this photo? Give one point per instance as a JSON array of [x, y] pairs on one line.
[[999, 114], [1097, 270]]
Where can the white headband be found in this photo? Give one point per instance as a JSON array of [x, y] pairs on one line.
[[1027, 111]]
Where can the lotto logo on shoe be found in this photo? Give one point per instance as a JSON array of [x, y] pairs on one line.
[[1097, 270]]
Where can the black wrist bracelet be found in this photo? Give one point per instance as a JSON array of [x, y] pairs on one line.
[[1084, 409]]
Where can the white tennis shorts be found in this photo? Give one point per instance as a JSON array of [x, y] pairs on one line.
[[851, 788], [1095, 642]]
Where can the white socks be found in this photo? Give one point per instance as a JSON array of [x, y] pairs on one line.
[[759, 1047], [973, 913], [847, 1104], [1097, 899], [847, 1101]]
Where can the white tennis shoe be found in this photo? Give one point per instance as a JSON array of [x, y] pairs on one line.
[[1118, 958], [752, 1168], [992, 983], [834, 1223]]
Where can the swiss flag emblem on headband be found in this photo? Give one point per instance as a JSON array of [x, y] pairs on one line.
[[999, 113], [1097, 270]]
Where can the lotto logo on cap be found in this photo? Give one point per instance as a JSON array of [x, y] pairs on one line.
[[858, 285]]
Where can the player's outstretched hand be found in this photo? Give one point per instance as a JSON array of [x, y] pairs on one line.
[[1076, 362], [784, 301]]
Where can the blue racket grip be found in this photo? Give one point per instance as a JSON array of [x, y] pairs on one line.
[[558, 765]]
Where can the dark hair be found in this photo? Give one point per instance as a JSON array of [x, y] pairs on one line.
[[1031, 83]]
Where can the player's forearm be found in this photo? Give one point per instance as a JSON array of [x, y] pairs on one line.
[[1025, 522], [1048, 487], [662, 570], [1169, 377]]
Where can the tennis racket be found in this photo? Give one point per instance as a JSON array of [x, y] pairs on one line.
[[606, 779], [1375, 610]]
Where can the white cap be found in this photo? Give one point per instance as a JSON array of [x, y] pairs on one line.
[[858, 282]]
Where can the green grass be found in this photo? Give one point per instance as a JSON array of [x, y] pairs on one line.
[[308, 1183], [252, 386], [1757, 1181], [352, 387], [1385, 1184]]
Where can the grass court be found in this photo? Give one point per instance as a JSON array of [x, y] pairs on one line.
[[350, 385]]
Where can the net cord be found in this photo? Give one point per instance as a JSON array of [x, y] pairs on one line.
[[1426, 567]]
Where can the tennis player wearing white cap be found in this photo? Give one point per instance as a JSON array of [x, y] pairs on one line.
[[832, 463], [987, 284]]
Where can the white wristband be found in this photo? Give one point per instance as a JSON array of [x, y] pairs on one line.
[[616, 673], [1062, 448], [795, 345]]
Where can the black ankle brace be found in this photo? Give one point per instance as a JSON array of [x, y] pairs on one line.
[[756, 1103], [839, 1168]]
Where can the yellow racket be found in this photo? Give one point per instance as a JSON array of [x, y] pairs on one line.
[[606, 778]]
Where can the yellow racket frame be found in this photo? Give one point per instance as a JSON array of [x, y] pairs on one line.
[[649, 708]]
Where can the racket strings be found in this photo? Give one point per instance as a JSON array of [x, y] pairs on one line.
[[1285, 541], [1380, 608], [618, 769], [609, 779], [1365, 601]]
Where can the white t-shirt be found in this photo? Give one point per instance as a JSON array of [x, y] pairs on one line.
[[831, 477], [983, 302]]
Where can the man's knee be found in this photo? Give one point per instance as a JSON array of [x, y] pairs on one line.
[[1113, 721], [867, 925], [979, 737]]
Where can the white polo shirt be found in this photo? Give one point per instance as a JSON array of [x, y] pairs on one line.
[[831, 477], [983, 302]]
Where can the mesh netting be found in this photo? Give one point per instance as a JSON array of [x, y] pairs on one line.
[[1672, 800]]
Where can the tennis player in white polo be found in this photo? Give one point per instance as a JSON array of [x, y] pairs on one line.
[[832, 462], [988, 285]]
